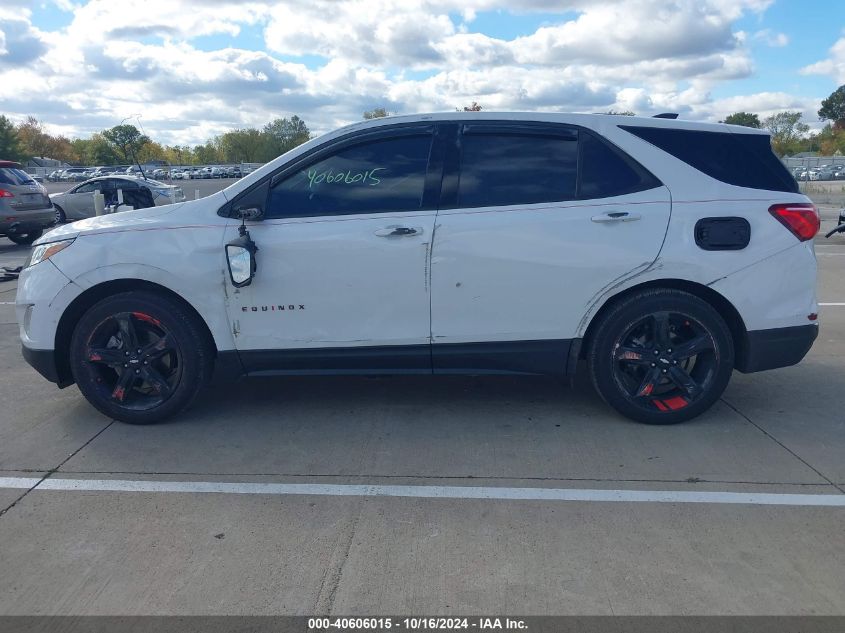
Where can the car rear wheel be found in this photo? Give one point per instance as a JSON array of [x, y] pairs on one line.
[[140, 357], [25, 239], [661, 356]]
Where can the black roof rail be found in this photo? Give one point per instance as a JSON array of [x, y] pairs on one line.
[[666, 115]]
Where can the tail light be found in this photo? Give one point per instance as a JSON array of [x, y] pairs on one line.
[[801, 218], [6, 194]]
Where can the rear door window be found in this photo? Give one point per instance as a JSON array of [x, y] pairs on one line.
[[501, 167]]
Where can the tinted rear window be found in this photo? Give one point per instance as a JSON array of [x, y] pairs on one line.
[[506, 169], [744, 160], [13, 176]]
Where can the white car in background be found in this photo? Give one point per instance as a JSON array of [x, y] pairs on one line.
[[665, 254], [77, 203]]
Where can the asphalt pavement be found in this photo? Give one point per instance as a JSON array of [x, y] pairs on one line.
[[415, 495]]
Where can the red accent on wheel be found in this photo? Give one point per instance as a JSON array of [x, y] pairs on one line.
[[678, 402], [146, 317], [659, 404]]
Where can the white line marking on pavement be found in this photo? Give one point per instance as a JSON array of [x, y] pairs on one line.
[[832, 304], [18, 482], [428, 492], [7, 303]]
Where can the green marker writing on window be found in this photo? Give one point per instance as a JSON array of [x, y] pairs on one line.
[[344, 177]]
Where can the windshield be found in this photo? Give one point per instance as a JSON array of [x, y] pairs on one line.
[[14, 176]]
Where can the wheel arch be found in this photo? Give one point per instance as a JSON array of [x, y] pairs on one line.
[[96, 293], [725, 308]]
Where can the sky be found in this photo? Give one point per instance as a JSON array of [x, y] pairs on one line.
[[186, 70]]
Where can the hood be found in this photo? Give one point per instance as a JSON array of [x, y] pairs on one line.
[[150, 218]]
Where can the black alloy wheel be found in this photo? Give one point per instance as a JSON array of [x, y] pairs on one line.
[[665, 361], [661, 356], [140, 357], [133, 360]]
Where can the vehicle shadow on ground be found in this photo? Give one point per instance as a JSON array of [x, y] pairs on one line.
[[436, 427]]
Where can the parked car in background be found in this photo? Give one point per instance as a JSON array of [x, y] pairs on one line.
[[25, 209], [54, 176], [73, 174], [78, 202], [661, 259]]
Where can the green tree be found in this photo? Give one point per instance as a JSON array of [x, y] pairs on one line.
[[621, 112], [94, 151], [376, 113], [34, 140], [207, 154], [746, 119], [833, 108], [283, 135], [786, 129], [10, 146], [149, 151], [474, 107], [241, 146], [126, 140]]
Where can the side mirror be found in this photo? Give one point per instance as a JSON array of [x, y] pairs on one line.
[[240, 256]]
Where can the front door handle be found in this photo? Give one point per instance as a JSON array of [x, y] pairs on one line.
[[399, 231], [616, 216]]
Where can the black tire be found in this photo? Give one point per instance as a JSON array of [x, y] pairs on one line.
[[661, 386], [61, 218], [25, 239], [169, 358]]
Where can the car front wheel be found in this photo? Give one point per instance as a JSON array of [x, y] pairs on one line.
[[140, 357], [661, 356]]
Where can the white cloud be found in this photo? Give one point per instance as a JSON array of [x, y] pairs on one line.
[[118, 58], [834, 65], [770, 38]]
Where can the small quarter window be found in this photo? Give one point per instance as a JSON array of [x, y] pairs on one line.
[[607, 172]]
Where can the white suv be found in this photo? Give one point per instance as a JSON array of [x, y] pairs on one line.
[[664, 253]]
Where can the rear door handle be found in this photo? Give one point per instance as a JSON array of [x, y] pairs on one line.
[[399, 231], [616, 216]]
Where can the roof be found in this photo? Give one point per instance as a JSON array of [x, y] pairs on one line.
[[588, 120]]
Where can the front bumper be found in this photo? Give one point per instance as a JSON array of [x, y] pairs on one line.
[[44, 362], [777, 347]]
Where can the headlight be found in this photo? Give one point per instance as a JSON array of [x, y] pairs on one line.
[[46, 251]]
